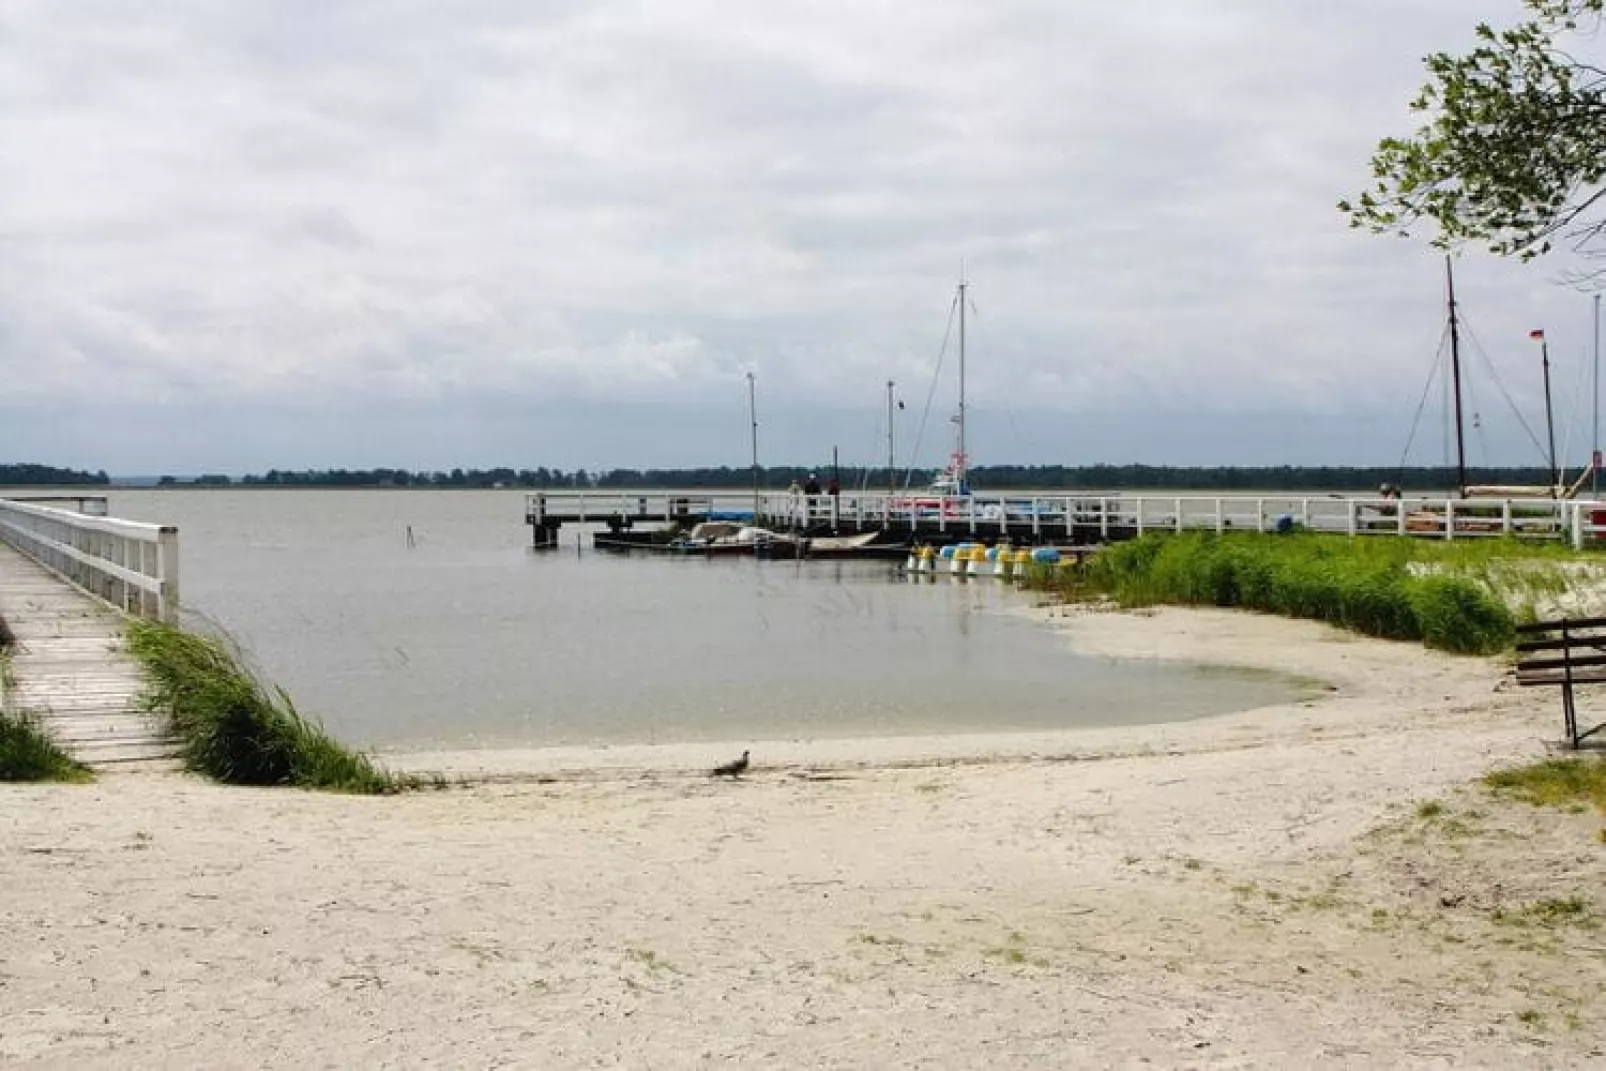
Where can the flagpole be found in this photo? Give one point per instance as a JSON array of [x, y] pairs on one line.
[[1594, 457]]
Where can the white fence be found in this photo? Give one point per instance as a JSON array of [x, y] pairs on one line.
[[131, 565], [1098, 516]]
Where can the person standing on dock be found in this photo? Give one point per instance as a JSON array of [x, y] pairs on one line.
[[811, 492]]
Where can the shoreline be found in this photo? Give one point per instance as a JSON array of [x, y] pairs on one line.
[[1347, 677]]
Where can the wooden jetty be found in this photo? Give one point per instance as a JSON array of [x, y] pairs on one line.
[[69, 663], [1028, 519]]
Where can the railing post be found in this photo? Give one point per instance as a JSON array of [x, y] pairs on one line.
[[1220, 518], [1351, 520], [1449, 520], [167, 566], [1578, 525], [1505, 516], [1260, 514], [1177, 506], [1399, 515]]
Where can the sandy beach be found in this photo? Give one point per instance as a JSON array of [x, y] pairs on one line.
[[1263, 889]]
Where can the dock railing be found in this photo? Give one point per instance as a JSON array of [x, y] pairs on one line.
[[131, 565], [1101, 515]]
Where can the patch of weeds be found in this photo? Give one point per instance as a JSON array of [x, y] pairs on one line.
[[928, 788], [1551, 913], [1553, 782], [652, 960], [1014, 952], [1326, 900], [1191, 863], [1429, 809], [876, 939], [1532, 1017]]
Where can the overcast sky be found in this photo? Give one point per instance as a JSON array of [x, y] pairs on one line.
[[244, 235]]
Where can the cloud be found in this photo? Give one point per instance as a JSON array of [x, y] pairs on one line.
[[277, 207]]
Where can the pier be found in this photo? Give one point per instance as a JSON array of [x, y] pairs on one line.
[[1028, 519], [69, 582]]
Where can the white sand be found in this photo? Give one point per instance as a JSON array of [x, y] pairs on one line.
[[1212, 893]]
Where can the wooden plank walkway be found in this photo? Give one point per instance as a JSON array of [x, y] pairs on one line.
[[69, 664]]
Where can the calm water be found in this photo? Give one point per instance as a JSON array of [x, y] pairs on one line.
[[471, 639]]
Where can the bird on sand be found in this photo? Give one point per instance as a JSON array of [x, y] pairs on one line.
[[733, 768]]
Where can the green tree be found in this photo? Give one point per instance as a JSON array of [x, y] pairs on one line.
[[1514, 149]]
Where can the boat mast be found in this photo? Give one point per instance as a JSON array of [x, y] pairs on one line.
[[1550, 420], [1455, 373], [892, 454], [752, 415], [960, 461]]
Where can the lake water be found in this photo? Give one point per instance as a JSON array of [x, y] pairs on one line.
[[471, 639]]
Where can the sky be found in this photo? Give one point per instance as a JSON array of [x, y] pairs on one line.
[[356, 233]]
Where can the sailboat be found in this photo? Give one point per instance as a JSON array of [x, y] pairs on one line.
[[953, 479], [1556, 488]]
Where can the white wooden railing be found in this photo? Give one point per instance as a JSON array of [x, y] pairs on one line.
[[131, 565], [987, 515]]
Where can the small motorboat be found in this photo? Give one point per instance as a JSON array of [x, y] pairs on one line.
[[725, 537]]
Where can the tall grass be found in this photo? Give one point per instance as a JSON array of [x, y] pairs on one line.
[[1393, 588], [236, 729], [27, 753]]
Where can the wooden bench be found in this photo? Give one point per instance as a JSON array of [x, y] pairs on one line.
[[1563, 654]]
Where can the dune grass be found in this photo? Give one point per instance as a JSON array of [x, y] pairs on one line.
[[27, 753], [1394, 588], [238, 730]]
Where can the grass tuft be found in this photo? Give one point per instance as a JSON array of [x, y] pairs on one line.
[[237, 730], [27, 753]]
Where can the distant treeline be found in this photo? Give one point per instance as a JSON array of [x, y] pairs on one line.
[[982, 478], [47, 476]]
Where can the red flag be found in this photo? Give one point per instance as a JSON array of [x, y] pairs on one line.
[[1537, 334]]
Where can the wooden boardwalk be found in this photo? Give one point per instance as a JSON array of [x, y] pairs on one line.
[[69, 665]]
